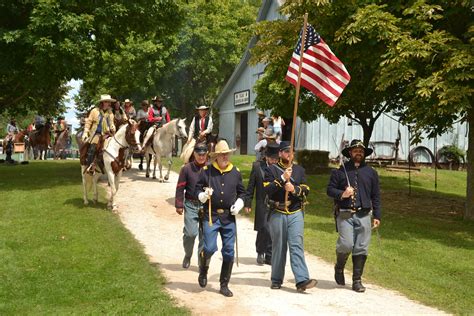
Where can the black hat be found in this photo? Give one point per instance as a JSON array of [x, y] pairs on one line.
[[157, 98], [271, 150], [357, 143], [200, 148], [284, 145]]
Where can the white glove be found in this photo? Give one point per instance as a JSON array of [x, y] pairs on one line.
[[238, 205], [204, 196], [84, 137]]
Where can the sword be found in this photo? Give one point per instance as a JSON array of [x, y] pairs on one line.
[[236, 243], [340, 159]]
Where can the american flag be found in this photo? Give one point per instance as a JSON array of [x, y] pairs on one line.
[[322, 72]]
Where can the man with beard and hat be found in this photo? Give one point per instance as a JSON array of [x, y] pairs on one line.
[[286, 220], [354, 203], [220, 182], [201, 125], [99, 124], [263, 243], [186, 201], [157, 114]]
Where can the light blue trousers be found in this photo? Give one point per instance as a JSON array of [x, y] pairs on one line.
[[354, 234], [287, 233], [191, 228]]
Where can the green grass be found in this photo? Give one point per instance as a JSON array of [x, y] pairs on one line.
[[59, 257], [425, 250]]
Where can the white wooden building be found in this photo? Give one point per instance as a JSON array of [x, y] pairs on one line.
[[238, 118]]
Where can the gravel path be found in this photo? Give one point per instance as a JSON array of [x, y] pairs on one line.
[[155, 224]]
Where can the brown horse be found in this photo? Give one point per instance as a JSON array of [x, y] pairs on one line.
[[40, 140], [61, 143]]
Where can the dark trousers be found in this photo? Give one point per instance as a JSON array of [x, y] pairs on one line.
[[263, 244]]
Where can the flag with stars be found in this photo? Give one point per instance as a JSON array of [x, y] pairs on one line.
[[322, 72]]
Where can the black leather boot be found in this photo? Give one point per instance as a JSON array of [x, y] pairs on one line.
[[358, 263], [339, 268], [204, 262], [226, 271], [90, 157]]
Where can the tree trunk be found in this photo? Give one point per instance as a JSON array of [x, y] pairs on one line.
[[368, 129], [469, 211]]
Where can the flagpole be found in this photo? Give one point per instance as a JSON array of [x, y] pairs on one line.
[[297, 98]]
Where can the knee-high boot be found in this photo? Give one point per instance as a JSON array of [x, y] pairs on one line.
[[339, 268], [91, 154], [226, 272], [358, 265], [204, 262]]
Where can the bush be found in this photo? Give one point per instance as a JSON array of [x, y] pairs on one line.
[[314, 161]]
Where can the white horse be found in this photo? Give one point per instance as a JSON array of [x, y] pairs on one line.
[[128, 135], [162, 145]]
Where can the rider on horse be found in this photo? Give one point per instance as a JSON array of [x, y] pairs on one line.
[[157, 114], [99, 123], [59, 127], [201, 125]]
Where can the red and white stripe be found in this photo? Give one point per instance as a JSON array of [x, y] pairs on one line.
[[322, 72]]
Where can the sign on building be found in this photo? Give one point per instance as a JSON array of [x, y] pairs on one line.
[[242, 97]]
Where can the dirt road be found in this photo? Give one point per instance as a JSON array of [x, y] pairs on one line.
[[147, 210]]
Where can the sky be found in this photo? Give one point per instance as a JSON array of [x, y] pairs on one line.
[[71, 107]]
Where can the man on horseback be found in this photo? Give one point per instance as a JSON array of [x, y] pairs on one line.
[[99, 124], [157, 114], [59, 127], [201, 125]]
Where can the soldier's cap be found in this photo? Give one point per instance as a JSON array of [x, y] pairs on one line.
[[200, 148], [271, 150], [284, 145], [354, 144]]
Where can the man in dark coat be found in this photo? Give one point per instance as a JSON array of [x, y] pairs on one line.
[[263, 242], [220, 182], [286, 219], [356, 193]]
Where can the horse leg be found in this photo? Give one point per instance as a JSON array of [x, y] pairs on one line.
[[170, 162], [154, 166], [84, 185], [95, 181], [160, 166], [148, 158]]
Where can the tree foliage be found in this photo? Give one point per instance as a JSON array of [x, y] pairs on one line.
[[44, 44]]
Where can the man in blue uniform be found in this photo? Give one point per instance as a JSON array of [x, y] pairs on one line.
[[186, 201], [263, 243], [354, 202], [222, 183], [287, 219]]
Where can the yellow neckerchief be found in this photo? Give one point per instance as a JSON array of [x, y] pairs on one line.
[[227, 169], [283, 165]]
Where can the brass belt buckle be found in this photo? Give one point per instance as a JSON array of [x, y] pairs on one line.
[[220, 211]]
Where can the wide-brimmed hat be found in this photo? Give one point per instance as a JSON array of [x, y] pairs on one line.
[[127, 101], [202, 107], [269, 133], [200, 148], [267, 119], [260, 113], [106, 97], [157, 98], [222, 148], [271, 150], [357, 143]]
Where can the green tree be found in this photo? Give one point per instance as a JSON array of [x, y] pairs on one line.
[[360, 101], [210, 45], [429, 52], [44, 44]]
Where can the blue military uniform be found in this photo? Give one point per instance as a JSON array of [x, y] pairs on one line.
[[227, 186], [287, 223], [352, 214]]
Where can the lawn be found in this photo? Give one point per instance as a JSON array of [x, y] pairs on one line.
[[59, 257], [424, 249]]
